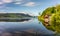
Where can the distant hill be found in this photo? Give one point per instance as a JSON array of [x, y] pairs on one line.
[[14, 15]]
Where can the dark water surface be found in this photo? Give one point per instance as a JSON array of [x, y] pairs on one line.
[[31, 27]]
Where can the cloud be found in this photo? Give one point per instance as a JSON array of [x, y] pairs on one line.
[[7, 1], [1, 3], [18, 0], [2, 6], [30, 4], [18, 3]]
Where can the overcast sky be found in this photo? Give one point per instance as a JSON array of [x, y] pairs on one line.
[[26, 6]]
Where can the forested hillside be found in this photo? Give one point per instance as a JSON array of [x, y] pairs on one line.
[[14, 15], [54, 18]]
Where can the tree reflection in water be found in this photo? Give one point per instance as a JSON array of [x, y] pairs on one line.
[[28, 32], [14, 20]]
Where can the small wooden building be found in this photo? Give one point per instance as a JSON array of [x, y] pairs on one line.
[[46, 19]]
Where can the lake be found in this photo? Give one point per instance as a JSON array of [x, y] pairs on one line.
[[31, 27]]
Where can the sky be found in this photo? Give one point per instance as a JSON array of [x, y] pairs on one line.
[[32, 7]]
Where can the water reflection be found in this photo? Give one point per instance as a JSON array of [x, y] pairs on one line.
[[30, 27], [14, 20]]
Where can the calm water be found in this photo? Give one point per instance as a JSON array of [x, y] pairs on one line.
[[28, 26]]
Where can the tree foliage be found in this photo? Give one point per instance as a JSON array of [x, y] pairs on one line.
[[54, 13]]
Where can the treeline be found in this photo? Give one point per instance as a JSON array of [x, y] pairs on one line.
[[13, 15]]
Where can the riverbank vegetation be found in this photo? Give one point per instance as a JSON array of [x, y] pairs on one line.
[[53, 16]]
